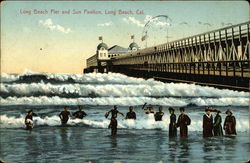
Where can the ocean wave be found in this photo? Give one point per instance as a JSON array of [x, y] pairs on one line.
[[143, 122], [111, 78], [117, 90], [126, 101]]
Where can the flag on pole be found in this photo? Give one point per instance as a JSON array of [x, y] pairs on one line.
[[143, 38], [100, 38], [132, 37]]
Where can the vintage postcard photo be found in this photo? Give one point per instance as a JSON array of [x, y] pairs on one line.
[[125, 82]]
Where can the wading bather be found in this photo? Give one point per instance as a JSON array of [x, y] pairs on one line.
[[79, 114], [172, 124], [207, 123], [158, 115], [131, 114], [113, 121], [64, 115], [183, 122], [29, 120], [230, 123], [217, 124]]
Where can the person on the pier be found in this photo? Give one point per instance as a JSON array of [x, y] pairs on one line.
[[29, 120], [113, 121], [64, 115], [207, 123], [217, 124], [183, 122], [230, 123], [172, 124], [79, 114], [150, 110], [131, 114], [158, 115]]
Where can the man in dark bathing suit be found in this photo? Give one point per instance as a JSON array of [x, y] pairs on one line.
[[29, 120], [113, 121], [79, 114], [64, 115], [131, 114], [158, 115]]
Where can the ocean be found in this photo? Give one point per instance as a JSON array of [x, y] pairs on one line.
[[88, 140]]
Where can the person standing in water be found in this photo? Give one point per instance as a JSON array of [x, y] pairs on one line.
[[79, 114], [131, 114], [207, 123], [150, 110], [183, 122], [158, 115], [29, 120], [113, 122], [217, 124], [64, 115], [172, 124], [230, 123]]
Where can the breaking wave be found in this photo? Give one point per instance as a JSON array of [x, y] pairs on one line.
[[32, 88], [125, 101], [144, 89], [102, 78], [143, 122]]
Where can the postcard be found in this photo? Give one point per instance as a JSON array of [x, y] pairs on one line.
[[124, 81]]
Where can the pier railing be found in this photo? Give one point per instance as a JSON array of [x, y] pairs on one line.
[[222, 52]]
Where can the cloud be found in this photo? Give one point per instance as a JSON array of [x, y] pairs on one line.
[[133, 20], [105, 24], [48, 23]]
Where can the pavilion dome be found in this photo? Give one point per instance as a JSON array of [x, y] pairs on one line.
[[132, 45], [102, 45]]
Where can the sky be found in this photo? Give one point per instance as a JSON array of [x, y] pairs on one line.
[[63, 34]]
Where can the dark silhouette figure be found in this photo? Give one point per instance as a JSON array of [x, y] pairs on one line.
[[64, 115], [183, 122], [113, 122], [230, 123], [29, 120], [150, 110], [207, 123], [113, 126], [217, 124], [158, 115], [131, 114], [172, 124], [79, 114]]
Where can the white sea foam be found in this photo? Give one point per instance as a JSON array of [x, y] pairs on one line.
[[125, 101], [158, 89], [81, 78], [142, 122]]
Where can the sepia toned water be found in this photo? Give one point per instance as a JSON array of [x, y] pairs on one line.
[[88, 140]]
